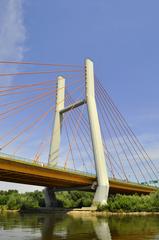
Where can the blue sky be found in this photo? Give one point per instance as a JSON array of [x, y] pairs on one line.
[[121, 37]]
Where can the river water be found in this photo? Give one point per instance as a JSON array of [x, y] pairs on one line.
[[14, 226]]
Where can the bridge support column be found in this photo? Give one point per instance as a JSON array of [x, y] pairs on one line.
[[56, 134], [50, 198], [102, 190]]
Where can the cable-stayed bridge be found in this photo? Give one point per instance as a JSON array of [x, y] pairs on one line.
[[62, 118]]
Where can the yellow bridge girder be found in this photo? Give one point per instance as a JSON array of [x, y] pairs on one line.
[[35, 174]]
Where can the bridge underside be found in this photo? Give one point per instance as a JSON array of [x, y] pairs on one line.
[[23, 172]]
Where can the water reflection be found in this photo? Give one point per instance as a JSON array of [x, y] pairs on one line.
[[124, 228], [60, 226], [102, 230], [76, 228]]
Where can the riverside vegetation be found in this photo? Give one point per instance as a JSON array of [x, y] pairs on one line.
[[13, 200]]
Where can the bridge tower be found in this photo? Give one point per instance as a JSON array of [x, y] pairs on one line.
[[50, 198], [102, 190]]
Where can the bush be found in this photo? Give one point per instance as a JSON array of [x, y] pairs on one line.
[[14, 202], [75, 199], [132, 203], [155, 200]]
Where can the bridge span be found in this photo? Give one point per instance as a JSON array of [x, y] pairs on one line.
[[20, 171], [71, 112]]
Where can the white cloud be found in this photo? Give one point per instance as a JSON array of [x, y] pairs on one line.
[[12, 40], [12, 33]]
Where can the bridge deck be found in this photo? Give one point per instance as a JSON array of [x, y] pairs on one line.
[[15, 170]]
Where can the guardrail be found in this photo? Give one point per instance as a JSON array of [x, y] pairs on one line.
[[41, 164], [60, 168]]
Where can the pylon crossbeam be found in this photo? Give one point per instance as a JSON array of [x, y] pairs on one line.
[[73, 106]]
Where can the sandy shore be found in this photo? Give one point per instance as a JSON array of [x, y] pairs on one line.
[[107, 214], [80, 212]]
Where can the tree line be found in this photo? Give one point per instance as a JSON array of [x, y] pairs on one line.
[[13, 200]]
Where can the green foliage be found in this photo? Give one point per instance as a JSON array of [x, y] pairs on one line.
[[75, 199], [132, 203], [155, 199], [12, 200]]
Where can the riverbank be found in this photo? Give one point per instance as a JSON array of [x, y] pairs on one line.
[[108, 214], [79, 212]]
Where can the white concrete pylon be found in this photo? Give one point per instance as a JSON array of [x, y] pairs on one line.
[[102, 190], [56, 134]]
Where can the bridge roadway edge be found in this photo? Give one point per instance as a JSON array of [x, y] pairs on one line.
[[35, 174]]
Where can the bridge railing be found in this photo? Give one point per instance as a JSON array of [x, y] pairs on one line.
[[41, 164]]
